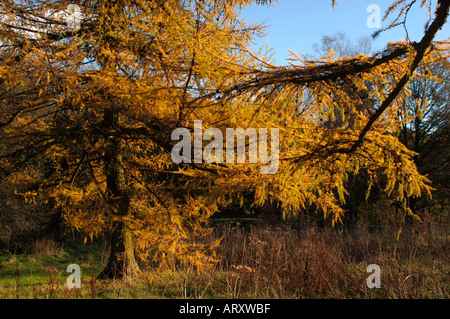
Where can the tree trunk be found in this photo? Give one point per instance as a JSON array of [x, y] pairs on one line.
[[121, 260]]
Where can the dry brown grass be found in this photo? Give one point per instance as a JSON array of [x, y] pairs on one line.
[[258, 262], [45, 247], [281, 262]]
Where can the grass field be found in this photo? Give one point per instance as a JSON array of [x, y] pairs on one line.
[[256, 262]]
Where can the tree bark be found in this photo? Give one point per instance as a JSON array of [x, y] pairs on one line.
[[121, 260]]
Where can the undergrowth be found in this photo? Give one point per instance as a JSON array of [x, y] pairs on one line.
[[256, 262]]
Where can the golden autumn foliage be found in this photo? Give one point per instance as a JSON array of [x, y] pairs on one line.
[[87, 116]]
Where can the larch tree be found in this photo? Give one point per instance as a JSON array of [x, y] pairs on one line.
[[88, 114]]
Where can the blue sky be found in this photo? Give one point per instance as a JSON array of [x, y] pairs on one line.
[[297, 24]]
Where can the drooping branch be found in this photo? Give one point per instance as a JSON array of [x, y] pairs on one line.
[[442, 13], [303, 76], [329, 72]]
